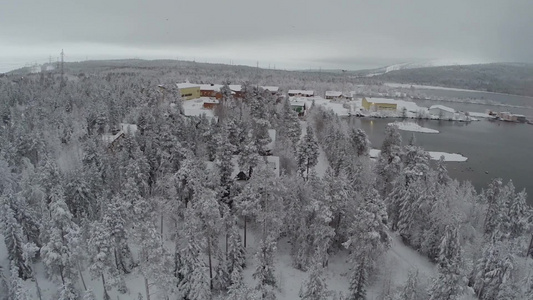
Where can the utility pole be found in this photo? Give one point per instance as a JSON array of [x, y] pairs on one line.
[[62, 68]]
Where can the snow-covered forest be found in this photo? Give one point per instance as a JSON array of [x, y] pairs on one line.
[[157, 214]]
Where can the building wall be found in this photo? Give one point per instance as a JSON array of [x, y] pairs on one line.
[[385, 106], [378, 106], [190, 93], [366, 104], [207, 93], [210, 105], [299, 109]]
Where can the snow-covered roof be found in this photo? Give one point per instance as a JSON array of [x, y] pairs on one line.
[[235, 87], [210, 87], [128, 128], [382, 100], [297, 102], [333, 94], [110, 138], [442, 107], [302, 92], [124, 129], [185, 85], [271, 89]]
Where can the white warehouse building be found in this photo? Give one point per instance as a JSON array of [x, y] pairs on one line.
[[442, 111]]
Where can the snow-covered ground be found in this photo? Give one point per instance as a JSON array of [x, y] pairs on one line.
[[391, 274], [195, 107], [435, 155], [412, 126], [427, 87]]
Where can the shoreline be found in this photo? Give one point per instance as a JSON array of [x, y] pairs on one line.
[[436, 87]]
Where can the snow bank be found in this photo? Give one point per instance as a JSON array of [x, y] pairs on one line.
[[479, 115], [394, 266], [411, 126], [435, 155]]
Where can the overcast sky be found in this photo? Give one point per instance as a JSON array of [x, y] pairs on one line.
[[350, 34]]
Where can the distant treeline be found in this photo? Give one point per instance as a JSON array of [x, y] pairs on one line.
[[509, 78]]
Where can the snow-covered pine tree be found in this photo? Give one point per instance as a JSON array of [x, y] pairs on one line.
[[237, 290], [414, 209], [236, 258], [155, 263], [315, 287], [442, 173], [81, 197], [307, 153], [450, 282], [226, 91], [495, 209], [193, 273], [412, 289], [17, 291], [206, 207], [368, 240], [291, 125], [223, 160], [264, 272], [89, 295], [389, 165], [221, 277], [261, 136], [248, 156], [101, 255], [519, 215], [360, 142], [114, 220], [493, 270], [27, 203], [13, 236], [337, 194], [60, 249], [416, 163], [67, 291]]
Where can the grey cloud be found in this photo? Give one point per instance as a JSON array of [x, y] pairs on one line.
[[344, 32]]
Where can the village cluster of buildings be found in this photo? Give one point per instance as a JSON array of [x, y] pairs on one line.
[[507, 116], [191, 91], [299, 99]]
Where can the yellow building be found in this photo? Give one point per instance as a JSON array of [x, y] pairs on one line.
[[189, 91], [376, 104]]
